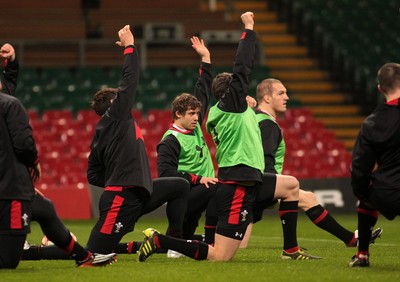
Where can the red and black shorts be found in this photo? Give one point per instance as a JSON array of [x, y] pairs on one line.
[[15, 217], [234, 207], [265, 195], [120, 208]]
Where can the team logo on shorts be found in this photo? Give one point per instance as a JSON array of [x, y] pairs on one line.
[[118, 227], [244, 215], [25, 219], [237, 234]]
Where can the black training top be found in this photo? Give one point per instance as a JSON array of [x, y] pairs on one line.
[[17, 147], [378, 143], [118, 155]]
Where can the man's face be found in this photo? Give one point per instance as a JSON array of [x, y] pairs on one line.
[[189, 120], [279, 98]]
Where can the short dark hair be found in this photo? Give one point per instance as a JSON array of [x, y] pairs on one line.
[[389, 77], [184, 102], [266, 87], [220, 84], [102, 100]]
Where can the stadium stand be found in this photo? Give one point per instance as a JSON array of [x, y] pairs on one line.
[[351, 39], [64, 139]]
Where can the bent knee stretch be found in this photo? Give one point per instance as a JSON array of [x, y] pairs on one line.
[[290, 189], [307, 200]]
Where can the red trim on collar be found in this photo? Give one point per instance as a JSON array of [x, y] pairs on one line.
[[175, 128], [394, 102]]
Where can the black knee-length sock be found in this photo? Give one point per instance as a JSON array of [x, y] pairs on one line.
[[320, 217], [190, 248], [288, 212]]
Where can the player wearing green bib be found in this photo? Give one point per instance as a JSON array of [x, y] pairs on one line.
[[236, 193], [183, 151]]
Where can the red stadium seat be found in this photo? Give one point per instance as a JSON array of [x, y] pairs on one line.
[[33, 115], [88, 116], [50, 115], [137, 115], [298, 114]]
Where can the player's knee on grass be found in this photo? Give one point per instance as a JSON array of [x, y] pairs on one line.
[[11, 250], [224, 248]]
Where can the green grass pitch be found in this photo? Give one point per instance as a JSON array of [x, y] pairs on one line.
[[260, 262]]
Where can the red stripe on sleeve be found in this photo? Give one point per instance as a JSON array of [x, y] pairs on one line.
[[194, 178], [243, 35], [112, 215], [236, 205], [16, 215], [128, 50], [113, 188]]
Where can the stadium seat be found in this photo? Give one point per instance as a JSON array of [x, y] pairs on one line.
[[57, 116]]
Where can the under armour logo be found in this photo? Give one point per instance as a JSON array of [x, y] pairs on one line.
[[244, 214], [118, 227], [283, 221], [237, 234], [25, 219]]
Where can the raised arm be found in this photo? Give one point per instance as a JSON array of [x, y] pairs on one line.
[[123, 103], [244, 58], [202, 89], [234, 100], [248, 20], [9, 76]]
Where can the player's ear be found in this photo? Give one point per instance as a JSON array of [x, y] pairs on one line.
[[379, 88], [267, 99], [178, 114]]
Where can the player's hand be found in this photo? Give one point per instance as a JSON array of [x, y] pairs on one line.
[[201, 49], [251, 102], [125, 37], [7, 52], [208, 180], [248, 20], [35, 172]]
